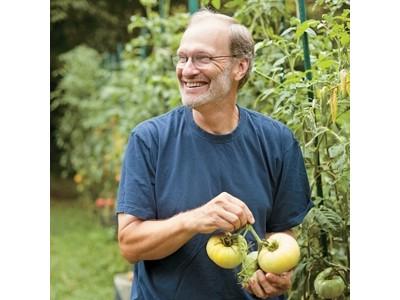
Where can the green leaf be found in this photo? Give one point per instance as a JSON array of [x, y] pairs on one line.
[[279, 61], [288, 30], [233, 4], [265, 94], [261, 45], [311, 32], [216, 3], [325, 63], [336, 150], [328, 219], [301, 28], [299, 280]]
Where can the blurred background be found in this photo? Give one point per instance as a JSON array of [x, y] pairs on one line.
[[111, 69]]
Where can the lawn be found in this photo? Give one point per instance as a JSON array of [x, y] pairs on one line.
[[84, 254]]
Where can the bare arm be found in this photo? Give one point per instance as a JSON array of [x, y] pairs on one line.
[[154, 239], [139, 239]]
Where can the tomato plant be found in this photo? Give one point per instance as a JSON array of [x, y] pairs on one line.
[[317, 109]]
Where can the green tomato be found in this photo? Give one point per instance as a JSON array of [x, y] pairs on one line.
[[250, 261], [328, 286], [226, 250], [249, 266]]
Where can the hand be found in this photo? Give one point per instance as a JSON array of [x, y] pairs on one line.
[[224, 212], [265, 285]]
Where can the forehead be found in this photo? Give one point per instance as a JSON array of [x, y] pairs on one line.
[[208, 35]]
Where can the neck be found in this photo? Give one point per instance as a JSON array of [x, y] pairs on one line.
[[218, 118]]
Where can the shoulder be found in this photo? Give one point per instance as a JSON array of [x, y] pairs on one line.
[[268, 127], [152, 129]]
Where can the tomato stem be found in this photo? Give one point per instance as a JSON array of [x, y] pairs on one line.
[[273, 246], [344, 268], [260, 242], [243, 231]]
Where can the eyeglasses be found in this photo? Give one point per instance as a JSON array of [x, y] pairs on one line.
[[199, 61]]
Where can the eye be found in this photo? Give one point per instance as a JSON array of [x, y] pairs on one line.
[[203, 59], [182, 59]]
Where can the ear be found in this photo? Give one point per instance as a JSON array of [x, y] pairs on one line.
[[241, 68]]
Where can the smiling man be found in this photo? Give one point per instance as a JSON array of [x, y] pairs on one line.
[[207, 166], [207, 77]]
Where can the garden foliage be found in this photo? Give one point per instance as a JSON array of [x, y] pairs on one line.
[[102, 102]]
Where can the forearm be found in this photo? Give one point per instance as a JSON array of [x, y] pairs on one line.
[[154, 239]]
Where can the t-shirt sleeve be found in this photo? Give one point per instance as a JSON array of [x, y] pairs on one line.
[[292, 193], [136, 188]]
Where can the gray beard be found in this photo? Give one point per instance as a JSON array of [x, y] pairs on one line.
[[218, 89]]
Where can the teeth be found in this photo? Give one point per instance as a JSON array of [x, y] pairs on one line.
[[193, 84]]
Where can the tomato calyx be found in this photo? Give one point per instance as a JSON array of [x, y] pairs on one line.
[[228, 239], [271, 246]]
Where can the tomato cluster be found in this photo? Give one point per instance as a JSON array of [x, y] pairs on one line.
[[277, 254]]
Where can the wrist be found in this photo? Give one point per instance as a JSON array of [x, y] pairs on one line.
[[187, 223]]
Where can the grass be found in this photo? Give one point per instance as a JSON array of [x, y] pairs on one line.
[[84, 254]]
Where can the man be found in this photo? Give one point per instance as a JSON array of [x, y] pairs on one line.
[[207, 166]]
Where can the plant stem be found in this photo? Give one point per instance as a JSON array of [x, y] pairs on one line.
[[267, 77], [244, 231], [250, 228], [347, 269]]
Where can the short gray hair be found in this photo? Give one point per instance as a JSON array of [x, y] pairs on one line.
[[242, 43]]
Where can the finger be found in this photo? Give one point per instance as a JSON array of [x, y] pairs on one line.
[[275, 280], [229, 219], [280, 281], [234, 206], [256, 289], [268, 289], [223, 224], [239, 213], [244, 208]]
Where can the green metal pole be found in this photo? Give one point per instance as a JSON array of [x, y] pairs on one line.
[[193, 6], [306, 49], [310, 93]]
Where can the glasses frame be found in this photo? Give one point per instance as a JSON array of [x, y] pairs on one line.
[[176, 63]]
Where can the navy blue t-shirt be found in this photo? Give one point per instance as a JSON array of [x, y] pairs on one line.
[[171, 165]]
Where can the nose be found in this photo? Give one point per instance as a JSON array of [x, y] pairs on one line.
[[189, 69]]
